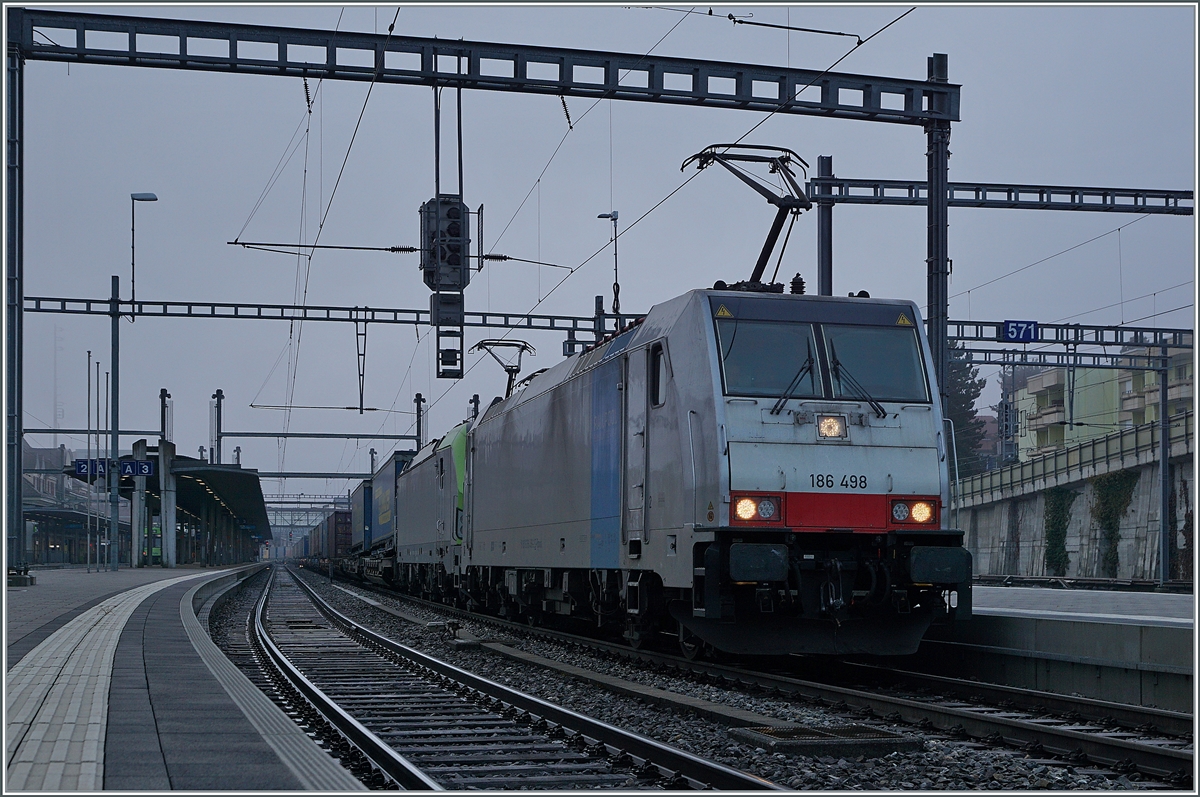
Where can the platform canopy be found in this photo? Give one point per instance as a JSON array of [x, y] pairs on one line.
[[232, 487]]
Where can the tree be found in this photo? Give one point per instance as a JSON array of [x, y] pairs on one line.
[[963, 390]]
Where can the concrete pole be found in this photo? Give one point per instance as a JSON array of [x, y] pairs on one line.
[[419, 400], [824, 229], [14, 294], [137, 514], [114, 470], [937, 258], [166, 480], [219, 397], [88, 502], [1164, 474]]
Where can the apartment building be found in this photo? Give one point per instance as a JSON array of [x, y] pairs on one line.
[[1052, 414]]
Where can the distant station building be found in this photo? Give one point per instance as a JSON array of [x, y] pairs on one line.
[[220, 517]]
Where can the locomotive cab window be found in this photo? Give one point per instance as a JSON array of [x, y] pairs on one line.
[[881, 363], [658, 375], [768, 358]]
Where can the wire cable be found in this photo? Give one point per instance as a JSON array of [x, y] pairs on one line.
[[1050, 257], [571, 129], [783, 104]]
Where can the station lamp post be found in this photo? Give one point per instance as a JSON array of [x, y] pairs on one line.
[[133, 200]]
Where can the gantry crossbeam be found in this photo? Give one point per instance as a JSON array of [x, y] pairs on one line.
[[1062, 359], [1002, 195], [412, 60], [1076, 334], [295, 312], [1066, 338]]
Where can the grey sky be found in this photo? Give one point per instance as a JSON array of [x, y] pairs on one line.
[[1099, 96]]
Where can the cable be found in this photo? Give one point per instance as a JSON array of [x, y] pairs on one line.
[[1160, 312], [1114, 304], [783, 104], [740, 21], [571, 129], [295, 360], [350, 146], [504, 258], [1050, 257]]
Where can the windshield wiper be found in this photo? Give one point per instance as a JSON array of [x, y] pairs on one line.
[[806, 368], [841, 374]]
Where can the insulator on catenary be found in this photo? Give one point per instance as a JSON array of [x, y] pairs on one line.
[[566, 112]]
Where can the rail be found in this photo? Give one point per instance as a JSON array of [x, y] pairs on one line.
[[383, 756], [698, 770], [1125, 448]]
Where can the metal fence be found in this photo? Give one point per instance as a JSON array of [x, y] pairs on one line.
[[1137, 445]]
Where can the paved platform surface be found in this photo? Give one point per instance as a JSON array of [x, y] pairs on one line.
[[129, 693], [33, 613], [1121, 608]]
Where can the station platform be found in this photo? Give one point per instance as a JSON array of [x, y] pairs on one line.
[[112, 683], [1114, 607], [1120, 646]]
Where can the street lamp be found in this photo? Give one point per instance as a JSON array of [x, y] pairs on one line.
[[616, 281], [133, 200]]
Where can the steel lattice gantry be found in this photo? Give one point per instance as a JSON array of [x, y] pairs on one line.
[[411, 60]]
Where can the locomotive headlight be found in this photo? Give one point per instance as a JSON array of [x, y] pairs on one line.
[[900, 512], [922, 512], [746, 508], [766, 508], [831, 426]]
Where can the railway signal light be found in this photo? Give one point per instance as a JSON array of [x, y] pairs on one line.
[[445, 243]]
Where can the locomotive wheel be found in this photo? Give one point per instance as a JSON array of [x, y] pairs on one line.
[[692, 646]]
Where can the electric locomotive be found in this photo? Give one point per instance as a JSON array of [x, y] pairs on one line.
[[752, 472]]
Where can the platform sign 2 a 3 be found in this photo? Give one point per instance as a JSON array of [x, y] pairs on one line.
[[137, 467], [129, 467], [1019, 332]]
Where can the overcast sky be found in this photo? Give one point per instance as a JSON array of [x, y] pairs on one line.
[[1090, 96]]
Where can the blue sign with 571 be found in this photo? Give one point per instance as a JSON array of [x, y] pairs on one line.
[[1019, 331]]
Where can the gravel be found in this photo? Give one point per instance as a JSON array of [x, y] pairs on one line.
[[945, 763]]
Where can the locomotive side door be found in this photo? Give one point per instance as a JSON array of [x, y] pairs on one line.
[[633, 518]]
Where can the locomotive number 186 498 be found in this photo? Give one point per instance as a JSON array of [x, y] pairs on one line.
[[829, 481]]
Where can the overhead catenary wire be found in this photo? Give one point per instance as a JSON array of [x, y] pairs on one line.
[[787, 100], [1050, 257], [299, 325], [291, 248], [563, 140]]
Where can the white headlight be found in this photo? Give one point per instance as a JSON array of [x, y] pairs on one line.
[[831, 426], [922, 512], [746, 508], [766, 508]]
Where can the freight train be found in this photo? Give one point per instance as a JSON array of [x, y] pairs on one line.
[[749, 472]]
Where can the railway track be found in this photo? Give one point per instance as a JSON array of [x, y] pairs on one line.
[[1123, 738], [430, 725]]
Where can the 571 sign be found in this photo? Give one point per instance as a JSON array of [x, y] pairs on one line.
[[1019, 331]]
